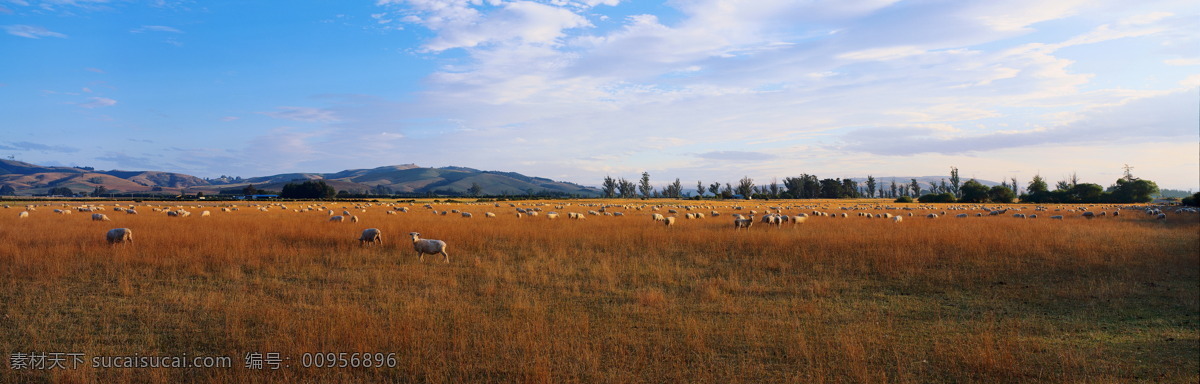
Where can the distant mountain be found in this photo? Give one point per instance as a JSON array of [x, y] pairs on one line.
[[30, 179]]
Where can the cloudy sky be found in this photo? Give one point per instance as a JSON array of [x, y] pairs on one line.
[[574, 90]]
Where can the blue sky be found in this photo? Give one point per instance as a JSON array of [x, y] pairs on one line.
[[574, 90]]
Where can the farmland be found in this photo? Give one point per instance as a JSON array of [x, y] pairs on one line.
[[608, 298]]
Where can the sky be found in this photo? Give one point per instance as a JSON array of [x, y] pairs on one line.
[[574, 90]]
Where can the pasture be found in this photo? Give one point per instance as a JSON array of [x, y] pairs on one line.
[[608, 298]]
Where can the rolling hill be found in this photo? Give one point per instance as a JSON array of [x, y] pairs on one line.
[[30, 179]]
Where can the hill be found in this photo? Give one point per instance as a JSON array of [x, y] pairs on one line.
[[30, 179]]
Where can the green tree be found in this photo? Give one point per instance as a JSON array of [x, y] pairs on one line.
[[955, 182], [1133, 190], [699, 188], [1000, 194], [745, 187], [645, 187], [249, 190], [475, 189], [1037, 191], [1193, 200], [627, 188], [871, 186], [945, 197], [715, 188], [99, 191], [610, 187], [974, 192], [916, 187], [311, 189]]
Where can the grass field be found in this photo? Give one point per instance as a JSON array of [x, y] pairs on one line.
[[608, 299]]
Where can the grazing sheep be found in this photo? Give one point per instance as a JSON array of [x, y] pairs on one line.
[[898, 219], [519, 215], [432, 247], [131, 211], [370, 235], [1161, 216], [100, 217], [657, 217], [1089, 215], [669, 221], [799, 219], [1058, 217], [1019, 215], [489, 214], [932, 216], [739, 222], [552, 215], [205, 214], [466, 215], [337, 219], [23, 214], [961, 216], [119, 235]]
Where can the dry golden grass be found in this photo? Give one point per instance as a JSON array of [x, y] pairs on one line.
[[609, 299]]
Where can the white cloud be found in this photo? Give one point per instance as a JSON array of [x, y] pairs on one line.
[[31, 31], [98, 102], [304, 114]]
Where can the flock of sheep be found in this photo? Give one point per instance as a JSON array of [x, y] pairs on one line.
[[667, 215]]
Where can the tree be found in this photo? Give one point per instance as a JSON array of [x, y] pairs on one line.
[[715, 189], [610, 187], [727, 192], [945, 197], [8, 190], [774, 189], [645, 187], [746, 187], [1133, 190], [955, 182], [1193, 200], [249, 190], [1016, 188], [1037, 191], [870, 186], [699, 188], [475, 189], [831, 188], [99, 191], [627, 188], [894, 189], [916, 188], [311, 189], [849, 189], [1001, 194], [974, 192]]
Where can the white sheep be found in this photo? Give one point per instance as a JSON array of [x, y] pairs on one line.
[[337, 219], [370, 236], [205, 214], [799, 219], [1057, 217], [432, 247], [552, 215], [488, 215], [119, 235], [898, 219], [353, 219], [669, 221], [739, 222], [100, 217], [1089, 215], [657, 217]]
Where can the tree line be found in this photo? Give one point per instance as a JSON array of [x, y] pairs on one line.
[[1127, 189]]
